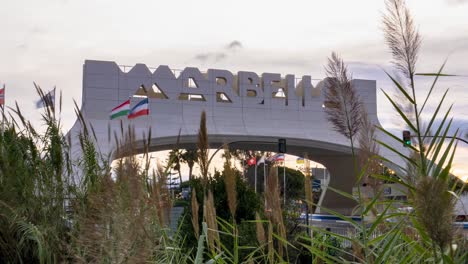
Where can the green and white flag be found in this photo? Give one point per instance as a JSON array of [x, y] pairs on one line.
[[121, 110]]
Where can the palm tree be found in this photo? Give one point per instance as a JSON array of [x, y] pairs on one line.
[[175, 157], [189, 157]]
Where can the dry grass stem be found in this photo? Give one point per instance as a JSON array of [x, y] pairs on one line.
[[116, 218], [404, 42], [260, 231], [211, 222], [195, 206], [274, 211], [307, 184], [434, 207], [156, 199], [203, 149], [230, 184], [271, 247], [367, 154], [401, 36], [165, 200], [342, 104]]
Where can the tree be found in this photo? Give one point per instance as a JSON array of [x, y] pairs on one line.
[[189, 157], [175, 157], [294, 181], [248, 203]]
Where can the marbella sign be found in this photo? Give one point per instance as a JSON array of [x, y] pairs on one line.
[[191, 84]]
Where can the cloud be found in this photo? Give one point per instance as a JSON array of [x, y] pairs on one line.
[[202, 57], [456, 2], [210, 57], [37, 30], [234, 45], [22, 46], [218, 56]]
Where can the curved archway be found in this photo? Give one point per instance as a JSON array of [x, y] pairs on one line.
[[298, 116]]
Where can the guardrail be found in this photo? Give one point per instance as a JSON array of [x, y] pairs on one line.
[[341, 227]]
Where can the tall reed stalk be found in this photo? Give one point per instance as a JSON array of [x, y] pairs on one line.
[[424, 234], [430, 160], [274, 212]]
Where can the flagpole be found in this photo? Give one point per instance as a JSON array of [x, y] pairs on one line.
[[264, 177], [265, 184], [277, 176], [243, 168], [255, 175], [3, 108], [3, 119], [148, 122], [284, 180]]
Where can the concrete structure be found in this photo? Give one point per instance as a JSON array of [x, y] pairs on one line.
[[245, 106]]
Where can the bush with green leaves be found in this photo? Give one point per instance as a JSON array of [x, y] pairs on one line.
[[248, 204], [33, 221]]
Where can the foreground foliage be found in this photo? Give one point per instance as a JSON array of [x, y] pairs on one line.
[[54, 209]]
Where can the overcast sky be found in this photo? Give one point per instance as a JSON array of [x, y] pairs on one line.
[[47, 42]]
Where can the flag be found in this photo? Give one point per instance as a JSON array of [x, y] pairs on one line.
[[2, 96], [47, 100], [140, 109], [121, 110], [252, 161], [300, 160], [261, 160], [277, 157]]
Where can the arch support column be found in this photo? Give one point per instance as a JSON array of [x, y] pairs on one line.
[[343, 178]]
